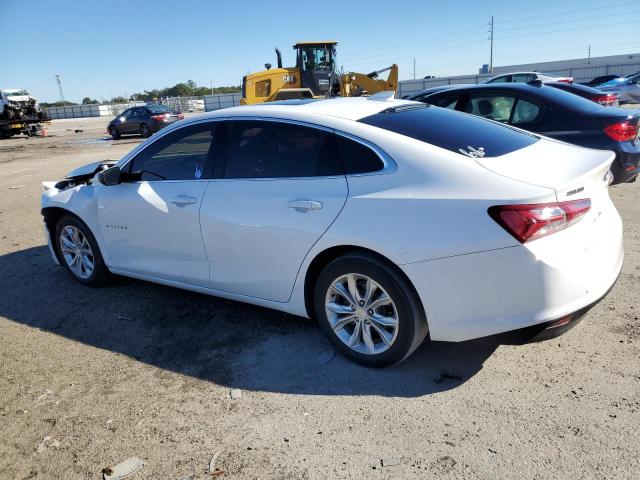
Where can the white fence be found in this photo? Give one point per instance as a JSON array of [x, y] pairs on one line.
[[579, 73], [81, 111], [211, 102]]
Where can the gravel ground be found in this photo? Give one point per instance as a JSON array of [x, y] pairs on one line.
[[90, 377]]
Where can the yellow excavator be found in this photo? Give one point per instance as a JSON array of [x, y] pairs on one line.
[[314, 76]]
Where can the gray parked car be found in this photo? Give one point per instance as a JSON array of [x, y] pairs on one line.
[[628, 87]]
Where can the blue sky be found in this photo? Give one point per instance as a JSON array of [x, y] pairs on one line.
[[107, 48]]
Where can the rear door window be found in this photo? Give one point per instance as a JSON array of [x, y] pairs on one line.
[[357, 157], [525, 112], [266, 149], [501, 79], [522, 77], [463, 134], [492, 106]]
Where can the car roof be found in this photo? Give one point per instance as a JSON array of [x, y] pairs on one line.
[[349, 108]]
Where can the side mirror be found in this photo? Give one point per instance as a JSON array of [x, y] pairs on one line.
[[110, 176]]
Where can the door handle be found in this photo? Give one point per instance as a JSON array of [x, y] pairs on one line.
[[184, 200], [305, 205]]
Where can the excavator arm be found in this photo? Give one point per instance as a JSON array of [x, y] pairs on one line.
[[353, 84]]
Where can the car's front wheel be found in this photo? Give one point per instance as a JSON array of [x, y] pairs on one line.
[[369, 310], [79, 253]]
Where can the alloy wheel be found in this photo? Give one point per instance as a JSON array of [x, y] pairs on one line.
[[362, 314], [77, 252]]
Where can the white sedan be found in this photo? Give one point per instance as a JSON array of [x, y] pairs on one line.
[[384, 219]]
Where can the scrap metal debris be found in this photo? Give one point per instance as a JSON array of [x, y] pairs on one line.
[[235, 393], [123, 469], [213, 470]]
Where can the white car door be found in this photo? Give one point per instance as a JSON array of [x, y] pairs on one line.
[[150, 221], [281, 186]]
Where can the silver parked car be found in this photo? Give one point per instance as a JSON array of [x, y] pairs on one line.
[[524, 77], [628, 87]]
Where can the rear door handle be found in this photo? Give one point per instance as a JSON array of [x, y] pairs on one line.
[[305, 205], [184, 200]]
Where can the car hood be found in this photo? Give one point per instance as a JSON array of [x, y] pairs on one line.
[[20, 98], [88, 171]]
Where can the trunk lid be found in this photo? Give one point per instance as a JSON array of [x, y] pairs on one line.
[[573, 172]]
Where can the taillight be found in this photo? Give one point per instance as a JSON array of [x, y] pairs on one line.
[[532, 221], [566, 80], [622, 131], [181, 116], [607, 99]]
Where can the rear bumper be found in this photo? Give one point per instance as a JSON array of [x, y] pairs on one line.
[[487, 293], [543, 331], [626, 167]]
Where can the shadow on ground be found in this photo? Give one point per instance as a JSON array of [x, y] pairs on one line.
[[217, 340]]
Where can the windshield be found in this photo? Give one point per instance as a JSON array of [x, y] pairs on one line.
[[615, 81], [158, 109], [318, 58], [17, 93]]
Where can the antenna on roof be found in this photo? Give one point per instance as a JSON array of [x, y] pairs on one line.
[[386, 96]]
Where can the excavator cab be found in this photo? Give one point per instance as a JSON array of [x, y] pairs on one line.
[[316, 62]]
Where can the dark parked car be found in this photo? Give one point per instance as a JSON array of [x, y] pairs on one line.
[[143, 120], [555, 113], [600, 80], [606, 99], [628, 87]]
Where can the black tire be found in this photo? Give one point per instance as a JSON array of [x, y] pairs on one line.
[[100, 274], [145, 132], [412, 323], [114, 132]]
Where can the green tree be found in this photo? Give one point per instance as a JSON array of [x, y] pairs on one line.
[[89, 101]]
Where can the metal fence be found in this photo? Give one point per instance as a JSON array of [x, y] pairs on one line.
[[223, 100], [579, 74], [180, 104]]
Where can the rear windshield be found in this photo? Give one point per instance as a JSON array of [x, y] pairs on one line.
[[454, 131], [567, 99], [158, 109]]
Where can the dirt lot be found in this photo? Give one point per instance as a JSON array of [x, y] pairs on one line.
[[90, 377]]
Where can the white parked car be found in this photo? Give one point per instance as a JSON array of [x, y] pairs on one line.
[[524, 77], [384, 219]]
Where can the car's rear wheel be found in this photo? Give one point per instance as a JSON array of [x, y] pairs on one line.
[[144, 130], [79, 253], [114, 132], [369, 310]]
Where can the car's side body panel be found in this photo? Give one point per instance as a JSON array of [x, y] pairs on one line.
[[153, 228], [256, 238]]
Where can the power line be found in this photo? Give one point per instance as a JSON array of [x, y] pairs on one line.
[[570, 29], [59, 80], [573, 20], [413, 44], [568, 12], [491, 39]]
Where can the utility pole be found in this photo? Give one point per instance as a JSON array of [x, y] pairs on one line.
[[491, 38], [211, 85], [60, 87], [589, 55], [414, 68]]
